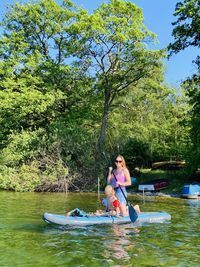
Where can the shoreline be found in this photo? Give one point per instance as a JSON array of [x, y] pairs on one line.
[[156, 194]]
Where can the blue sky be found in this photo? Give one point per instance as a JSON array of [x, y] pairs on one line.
[[158, 16]]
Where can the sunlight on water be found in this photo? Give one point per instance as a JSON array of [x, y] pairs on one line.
[[26, 240]]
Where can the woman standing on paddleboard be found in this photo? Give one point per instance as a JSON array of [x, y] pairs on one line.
[[121, 173]]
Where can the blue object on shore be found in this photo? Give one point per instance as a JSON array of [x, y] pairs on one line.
[[191, 190], [133, 181], [89, 219]]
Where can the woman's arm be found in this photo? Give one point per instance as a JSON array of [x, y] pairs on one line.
[[109, 175]]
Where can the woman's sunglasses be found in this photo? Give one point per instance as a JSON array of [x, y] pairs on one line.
[[118, 161]]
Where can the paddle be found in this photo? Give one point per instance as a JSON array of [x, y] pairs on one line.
[[132, 213]]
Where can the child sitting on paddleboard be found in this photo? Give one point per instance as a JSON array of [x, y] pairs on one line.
[[112, 206], [111, 202]]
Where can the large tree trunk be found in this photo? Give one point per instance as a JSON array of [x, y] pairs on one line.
[[104, 120]]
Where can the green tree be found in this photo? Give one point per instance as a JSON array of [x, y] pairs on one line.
[[113, 42], [153, 115], [186, 34], [36, 82], [192, 87], [41, 88], [186, 28]]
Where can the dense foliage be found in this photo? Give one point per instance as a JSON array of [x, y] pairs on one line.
[[77, 89], [186, 34]]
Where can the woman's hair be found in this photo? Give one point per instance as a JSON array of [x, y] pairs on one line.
[[123, 161], [109, 191]]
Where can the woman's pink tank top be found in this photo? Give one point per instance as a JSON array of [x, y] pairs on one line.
[[120, 178]]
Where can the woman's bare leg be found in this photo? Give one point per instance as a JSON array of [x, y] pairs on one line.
[[123, 210]]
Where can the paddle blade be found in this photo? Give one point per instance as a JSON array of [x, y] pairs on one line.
[[132, 213]]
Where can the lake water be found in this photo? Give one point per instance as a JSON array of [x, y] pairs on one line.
[[26, 240]]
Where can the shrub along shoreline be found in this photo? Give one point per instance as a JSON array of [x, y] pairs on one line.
[[52, 181]]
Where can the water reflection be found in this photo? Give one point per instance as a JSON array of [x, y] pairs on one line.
[[113, 243], [120, 244]]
